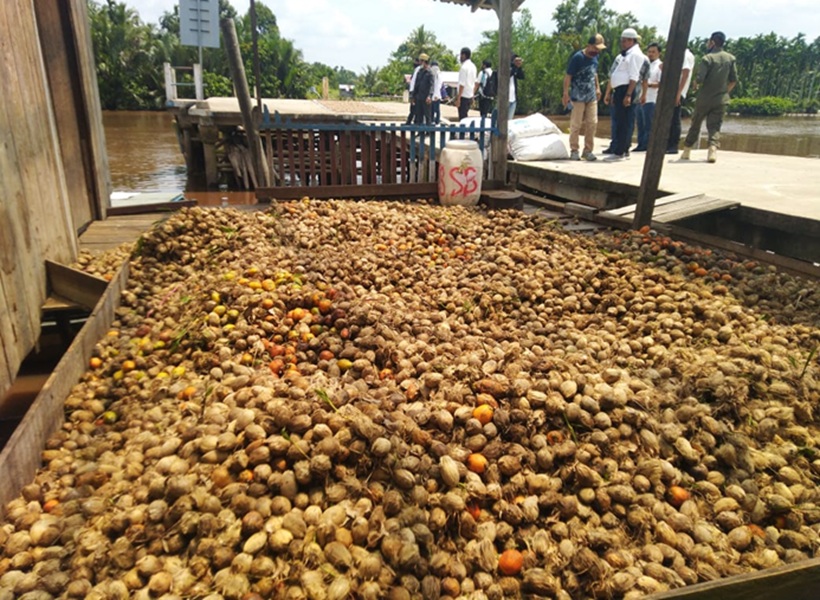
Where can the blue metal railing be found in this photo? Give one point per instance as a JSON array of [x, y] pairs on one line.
[[419, 146]]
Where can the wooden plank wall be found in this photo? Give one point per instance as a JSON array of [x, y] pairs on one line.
[[22, 454], [62, 78], [94, 144], [35, 217], [65, 40]]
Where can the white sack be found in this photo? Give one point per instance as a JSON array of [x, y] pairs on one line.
[[532, 126], [543, 147]]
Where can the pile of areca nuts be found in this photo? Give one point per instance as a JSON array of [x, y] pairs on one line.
[[332, 400]]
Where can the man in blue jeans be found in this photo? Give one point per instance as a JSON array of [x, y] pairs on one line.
[[621, 92], [649, 95]]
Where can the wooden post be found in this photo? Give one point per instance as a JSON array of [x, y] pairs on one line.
[[243, 94], [200, 91], [325, 88], [170, 82], [659, 136], [209, 135], [504, 9]]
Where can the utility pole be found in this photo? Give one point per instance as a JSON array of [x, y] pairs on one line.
[[659, 136]]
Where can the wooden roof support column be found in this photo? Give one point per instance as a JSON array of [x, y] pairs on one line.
[[504, 9], [659, 136]]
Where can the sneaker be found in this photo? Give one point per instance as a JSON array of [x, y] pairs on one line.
[[672, 151], [607, 151], [589, 156], [574, 155], [638, 149], [687, 153], [616, 157]]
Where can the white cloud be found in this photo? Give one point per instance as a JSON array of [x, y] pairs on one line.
[[355, 33]]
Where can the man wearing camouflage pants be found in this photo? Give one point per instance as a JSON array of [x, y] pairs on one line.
[[716, 78]]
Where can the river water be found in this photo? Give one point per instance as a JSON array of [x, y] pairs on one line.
[[144, 154]]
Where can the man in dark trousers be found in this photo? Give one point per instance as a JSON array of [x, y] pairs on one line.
[[717, 78], [485, 88], [416, 69], [423, 93], [626, 75], [467, 77]]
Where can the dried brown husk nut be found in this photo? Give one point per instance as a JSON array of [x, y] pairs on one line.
[[264, 388]]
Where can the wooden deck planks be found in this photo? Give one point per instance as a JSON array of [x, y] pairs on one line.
[[115, 231], [678, 209]]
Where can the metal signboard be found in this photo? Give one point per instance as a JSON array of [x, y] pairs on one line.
[[199, 23]]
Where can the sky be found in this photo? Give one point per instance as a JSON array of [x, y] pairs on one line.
[[358, 33]]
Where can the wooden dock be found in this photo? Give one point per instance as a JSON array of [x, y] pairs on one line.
[[209, 130], [764, 201]]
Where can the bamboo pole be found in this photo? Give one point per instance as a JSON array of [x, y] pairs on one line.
[[243, 94]]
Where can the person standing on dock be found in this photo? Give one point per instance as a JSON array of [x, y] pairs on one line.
[[582, 90], [683, 90], [416, 69], [423, 93], [486, 88], [437, 87], [625, 79], [466, 83], [516, 74], [649, 95], [717, 78]]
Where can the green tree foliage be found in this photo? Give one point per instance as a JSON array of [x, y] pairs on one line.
[[768, 106], [420, 40], [128, 52], [130, 55], [544, 63], [771, 65]]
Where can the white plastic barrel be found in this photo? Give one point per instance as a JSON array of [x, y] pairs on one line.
[[460, 171]]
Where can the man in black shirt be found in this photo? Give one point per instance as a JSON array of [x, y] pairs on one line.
[[423, 92]]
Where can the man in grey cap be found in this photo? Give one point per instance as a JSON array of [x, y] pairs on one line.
[[621, 91], [716, 78]]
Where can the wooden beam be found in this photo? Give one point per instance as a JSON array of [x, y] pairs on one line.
[[141, 209], [75, 285], [798, 581], [243, 94], [504, 11], [396, 190], [659, 136]]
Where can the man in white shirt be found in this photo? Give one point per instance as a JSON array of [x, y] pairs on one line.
[[625, 78], [416, 69], [649, 95], [466, 83], [683, 89]]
